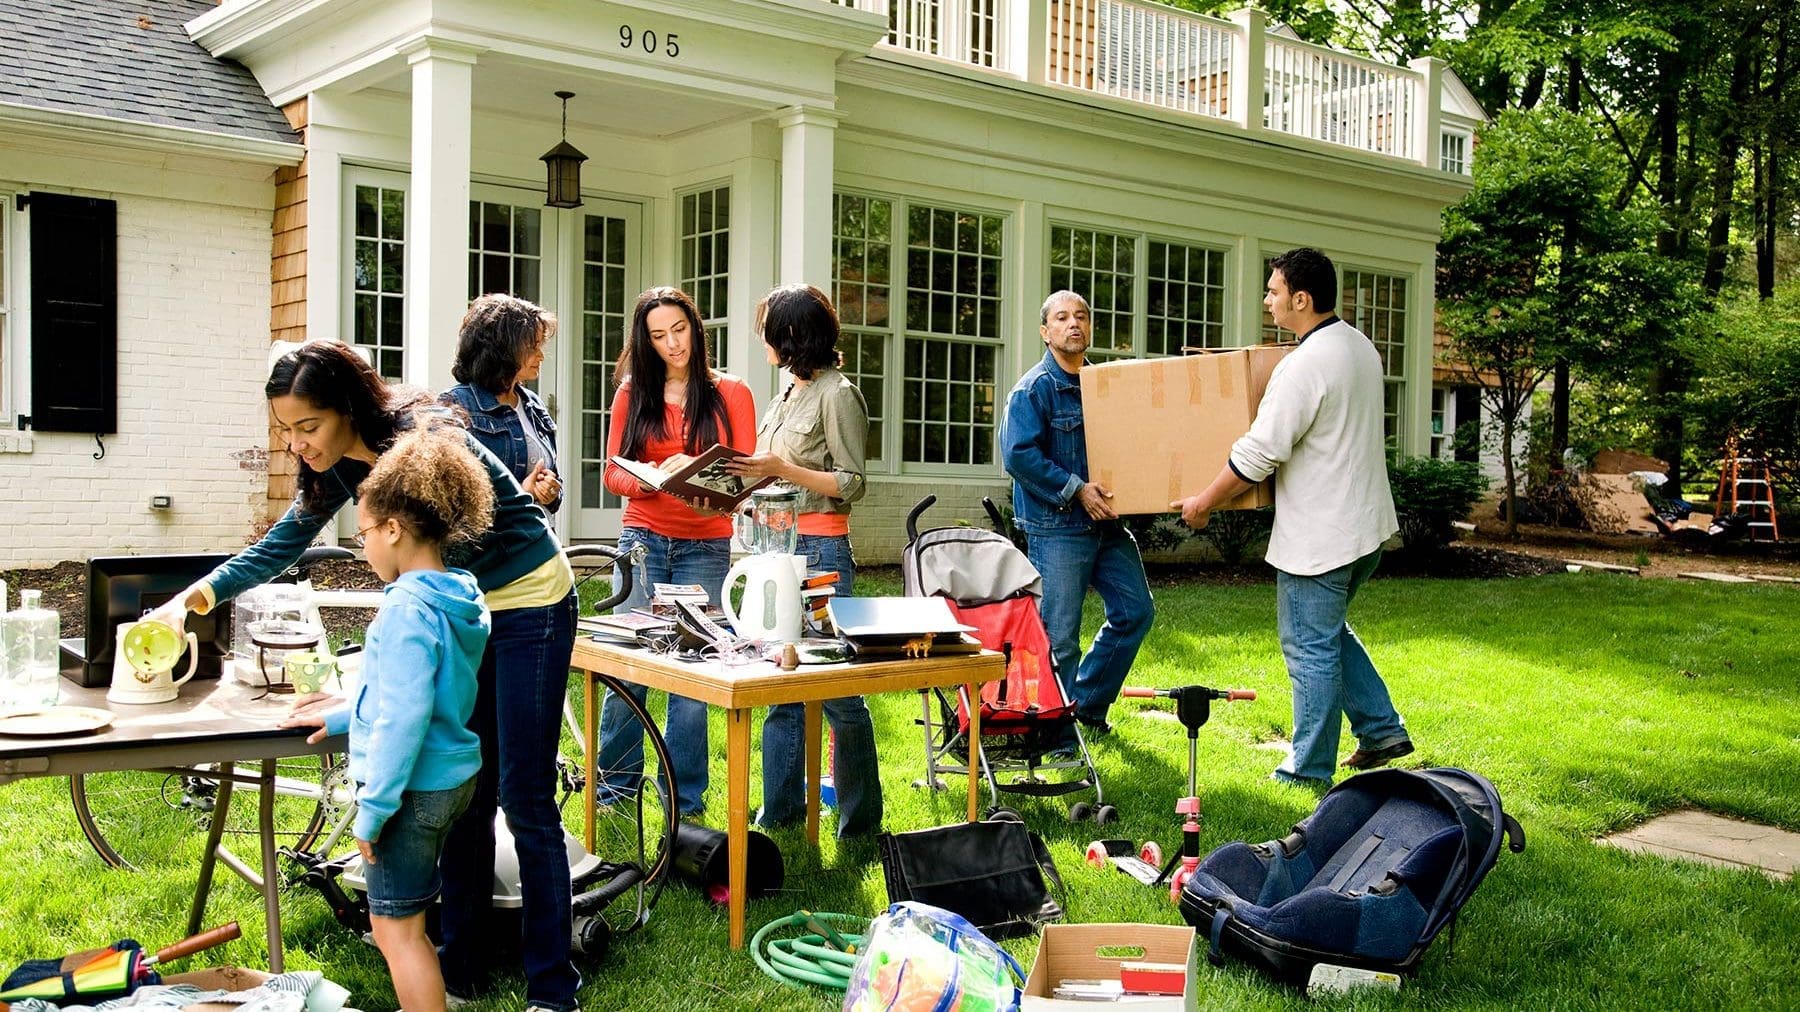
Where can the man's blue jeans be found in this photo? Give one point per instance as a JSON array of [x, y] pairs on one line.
[[518, 716], [855, 771], [1105, 558], [1330, 670], [667, 560]]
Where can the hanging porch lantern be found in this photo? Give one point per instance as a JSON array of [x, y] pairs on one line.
[[562, 164]]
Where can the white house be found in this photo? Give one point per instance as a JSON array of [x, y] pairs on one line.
[[360, 168]]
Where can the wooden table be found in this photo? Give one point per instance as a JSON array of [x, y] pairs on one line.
[[739, 688], [212, 721]]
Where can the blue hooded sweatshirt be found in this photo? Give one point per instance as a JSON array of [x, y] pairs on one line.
[[408, 723]]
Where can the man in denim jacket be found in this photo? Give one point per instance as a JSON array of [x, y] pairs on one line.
[[1073, 535]]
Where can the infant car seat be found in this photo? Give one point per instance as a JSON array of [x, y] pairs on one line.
[[1368, 880]]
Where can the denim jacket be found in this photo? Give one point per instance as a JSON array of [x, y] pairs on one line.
[[497, 427], [1045, 450]]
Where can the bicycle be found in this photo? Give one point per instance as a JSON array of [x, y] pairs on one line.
[[131, 817], [635, 831]]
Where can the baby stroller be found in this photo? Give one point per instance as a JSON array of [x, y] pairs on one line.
[[1027, 718]]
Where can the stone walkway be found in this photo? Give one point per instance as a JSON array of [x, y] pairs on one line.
[[1693, 835]]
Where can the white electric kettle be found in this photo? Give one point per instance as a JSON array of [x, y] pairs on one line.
[[144, 657], [771, 608]]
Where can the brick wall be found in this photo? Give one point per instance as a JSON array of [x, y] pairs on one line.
[[878, 522], [193, 315]]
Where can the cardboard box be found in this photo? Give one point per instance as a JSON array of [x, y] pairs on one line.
[[1094, 952], [1159, 429]]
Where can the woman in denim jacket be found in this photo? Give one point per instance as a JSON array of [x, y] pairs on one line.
[[815, 437], [500, 349]]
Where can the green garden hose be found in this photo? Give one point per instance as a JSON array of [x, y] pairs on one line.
[[824, 957]]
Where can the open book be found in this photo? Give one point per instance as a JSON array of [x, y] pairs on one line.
[[704, 477]]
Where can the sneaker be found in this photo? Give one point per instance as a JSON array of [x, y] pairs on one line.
[[1368, 759], [453, 1000]]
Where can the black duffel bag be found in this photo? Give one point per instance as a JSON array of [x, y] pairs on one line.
[[992, 873]]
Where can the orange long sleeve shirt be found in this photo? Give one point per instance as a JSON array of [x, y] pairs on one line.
[[660, 512]]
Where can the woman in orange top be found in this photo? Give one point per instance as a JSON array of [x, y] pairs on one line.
[[671, 406]]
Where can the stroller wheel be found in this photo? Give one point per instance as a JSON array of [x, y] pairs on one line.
[[1105, 814], [1001, 813], [1081, 811]]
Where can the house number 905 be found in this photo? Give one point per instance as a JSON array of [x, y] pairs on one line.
[[647, 40]]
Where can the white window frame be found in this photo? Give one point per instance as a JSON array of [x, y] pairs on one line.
[[355, 176], [1464, 163], [718, 327], [1394, 377], [898, 337], [1139, 312]]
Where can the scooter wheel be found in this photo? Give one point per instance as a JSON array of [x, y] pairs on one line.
[[1151, 853], [1001, 813], [1080, 811], [1096, 854], [1106, 815]]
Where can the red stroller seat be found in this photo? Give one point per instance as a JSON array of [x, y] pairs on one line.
[[1028, 726]]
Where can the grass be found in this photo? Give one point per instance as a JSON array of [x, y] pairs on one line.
[[1592, 701]]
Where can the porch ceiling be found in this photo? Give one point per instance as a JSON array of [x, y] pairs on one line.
[[518, 90]]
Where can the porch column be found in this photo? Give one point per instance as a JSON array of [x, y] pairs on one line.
[[807, 137], [1249, 55], [1427, 109], [437, 241]]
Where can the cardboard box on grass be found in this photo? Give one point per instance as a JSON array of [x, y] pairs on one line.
[[1159, 429], [1094, 952]]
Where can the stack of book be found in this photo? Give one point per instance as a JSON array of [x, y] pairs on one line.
[[664, 595], [818, 589]]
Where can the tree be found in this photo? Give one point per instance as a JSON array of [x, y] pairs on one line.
[[1535, 267]]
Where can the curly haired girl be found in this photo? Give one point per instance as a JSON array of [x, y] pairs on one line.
[[411, 753]]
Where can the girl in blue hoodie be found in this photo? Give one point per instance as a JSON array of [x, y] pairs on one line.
[[411, 753]]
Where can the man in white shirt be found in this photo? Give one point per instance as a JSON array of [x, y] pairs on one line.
[[1319, 431]]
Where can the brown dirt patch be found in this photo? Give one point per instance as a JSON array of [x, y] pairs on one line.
[[1656, 556]]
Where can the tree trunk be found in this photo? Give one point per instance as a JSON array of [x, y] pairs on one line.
[[1731, 140], [1668, 380], [1571, 229], [1508, 420]]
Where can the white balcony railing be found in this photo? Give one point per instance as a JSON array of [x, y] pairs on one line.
[[1316, 92], [1174, 59]]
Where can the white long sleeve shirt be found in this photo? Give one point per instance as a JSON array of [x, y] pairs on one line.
[[1319, 431]]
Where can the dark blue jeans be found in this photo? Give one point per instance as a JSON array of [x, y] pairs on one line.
[[667, 560], [1105, 558], [855, 771], [518, 716]]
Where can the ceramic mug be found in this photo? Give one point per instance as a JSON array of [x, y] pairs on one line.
[[308, 671]]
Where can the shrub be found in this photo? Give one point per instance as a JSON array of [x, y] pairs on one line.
[[1233, 533], [1429, 494]]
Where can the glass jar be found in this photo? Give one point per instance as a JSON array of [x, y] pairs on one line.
[[28, 640]]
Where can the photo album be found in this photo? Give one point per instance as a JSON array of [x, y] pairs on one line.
[[704, 477]]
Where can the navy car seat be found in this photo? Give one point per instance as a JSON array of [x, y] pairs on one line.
[[1369, 879]]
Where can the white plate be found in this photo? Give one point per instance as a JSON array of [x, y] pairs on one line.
[[55, 720]]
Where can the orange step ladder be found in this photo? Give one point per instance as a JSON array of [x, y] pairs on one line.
[[1744, 484]]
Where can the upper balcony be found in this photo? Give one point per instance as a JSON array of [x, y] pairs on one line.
[[1197, 65]]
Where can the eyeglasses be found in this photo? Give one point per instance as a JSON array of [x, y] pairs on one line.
[[361, 537]]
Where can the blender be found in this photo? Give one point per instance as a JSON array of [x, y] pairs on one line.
[[772, 523]]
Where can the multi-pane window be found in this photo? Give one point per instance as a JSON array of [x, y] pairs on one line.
[[604, 312], [1441, 427], [505, 249], [378, 275], [862, 260], [953, 339], [1453, 152], [706, 261], [1183, 293], [930, 302], [1376, 305], [1184, 306], [1098, 266], [1271, 334]]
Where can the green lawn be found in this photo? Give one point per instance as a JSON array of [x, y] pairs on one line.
[[1592, 702]]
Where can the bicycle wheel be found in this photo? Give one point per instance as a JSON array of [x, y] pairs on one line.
[[135, 817], [634, 828]]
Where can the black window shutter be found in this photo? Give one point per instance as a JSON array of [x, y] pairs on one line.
[[74, 314], [1468, 412]]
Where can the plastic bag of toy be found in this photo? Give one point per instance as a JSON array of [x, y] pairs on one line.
[[921, 958]]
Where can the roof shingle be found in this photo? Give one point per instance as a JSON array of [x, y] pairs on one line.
[[130, 61]]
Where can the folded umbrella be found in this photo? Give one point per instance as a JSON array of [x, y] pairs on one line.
[[111, 972]]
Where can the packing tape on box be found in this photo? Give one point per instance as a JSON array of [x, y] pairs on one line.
[[1159, 379]]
